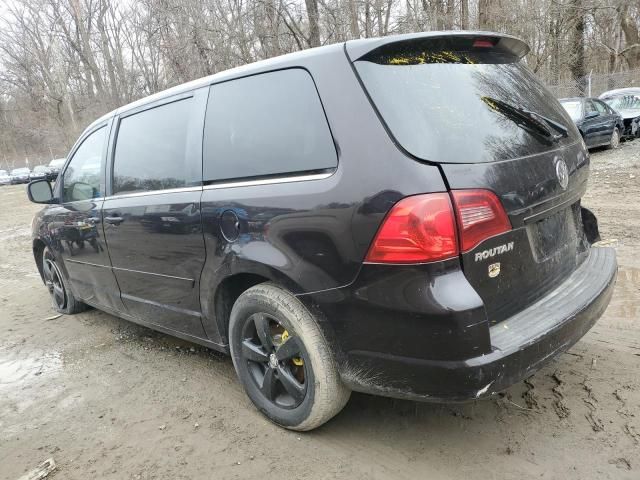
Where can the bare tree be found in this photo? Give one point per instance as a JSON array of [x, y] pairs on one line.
[[65, 62]]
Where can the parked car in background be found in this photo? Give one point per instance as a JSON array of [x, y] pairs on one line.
[[626, 101], [318, 217], [55, 166], [39, 172], [599, 124], [20, 175], [5, 178]]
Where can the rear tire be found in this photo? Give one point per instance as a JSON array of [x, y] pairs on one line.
[[62, 298], [614, 141], [297, 387]]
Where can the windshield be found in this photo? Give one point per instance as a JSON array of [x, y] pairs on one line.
[[573, 108], [623, 102], [40, 168], [57, 162], [435, 105]]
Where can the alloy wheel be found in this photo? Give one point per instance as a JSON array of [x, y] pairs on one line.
[[275, 360], [53, 281]]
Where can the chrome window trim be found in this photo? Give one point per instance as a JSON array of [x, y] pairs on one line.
[[73, 202], [233, 184], [269, 181], [154, 192]]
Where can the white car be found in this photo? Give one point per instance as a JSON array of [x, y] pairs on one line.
[[39, 172], [20, 175], [55, 166], [5, 178]]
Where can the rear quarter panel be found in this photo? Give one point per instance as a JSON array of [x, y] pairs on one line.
[[313, 235]]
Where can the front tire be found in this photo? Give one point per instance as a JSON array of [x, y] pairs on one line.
[[62, 298], [283, 360], [614, 142]]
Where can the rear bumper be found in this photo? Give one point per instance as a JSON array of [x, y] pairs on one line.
[[520, 345]]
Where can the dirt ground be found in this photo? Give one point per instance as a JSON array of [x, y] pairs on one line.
[[109, 399]]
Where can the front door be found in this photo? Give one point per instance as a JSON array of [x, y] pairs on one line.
[[594, 125], [152, 218], [608, 120], [77, 234]]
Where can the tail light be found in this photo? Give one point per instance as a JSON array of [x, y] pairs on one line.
[[480, 215], [422, 228], [417, 229]]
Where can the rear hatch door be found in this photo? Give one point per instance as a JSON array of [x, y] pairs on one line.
[[467, 103]]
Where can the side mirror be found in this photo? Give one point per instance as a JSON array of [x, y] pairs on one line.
[[39, 191], [591, 115]]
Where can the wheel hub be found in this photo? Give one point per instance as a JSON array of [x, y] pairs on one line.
[[273, 361]]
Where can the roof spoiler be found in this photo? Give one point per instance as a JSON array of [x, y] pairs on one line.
[[357, 49]]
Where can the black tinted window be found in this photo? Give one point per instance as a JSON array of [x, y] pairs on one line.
[[81, 179], [464, 106], [152, 150], [266, 124]]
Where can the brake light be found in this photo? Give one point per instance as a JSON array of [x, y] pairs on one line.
[[483, 43], [480, 215], [418, 229]]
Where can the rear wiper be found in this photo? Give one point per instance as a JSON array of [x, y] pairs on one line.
[[539, 123]]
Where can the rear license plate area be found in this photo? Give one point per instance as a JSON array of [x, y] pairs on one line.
[[553, 234]]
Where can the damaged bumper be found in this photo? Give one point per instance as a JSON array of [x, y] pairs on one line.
[[520, 345]]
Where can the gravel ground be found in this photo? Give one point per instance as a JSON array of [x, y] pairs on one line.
[[109, 399]]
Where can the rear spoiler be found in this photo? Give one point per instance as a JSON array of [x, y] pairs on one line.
[[358, 49]]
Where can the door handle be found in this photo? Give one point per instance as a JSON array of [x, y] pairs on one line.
[[114, 220]]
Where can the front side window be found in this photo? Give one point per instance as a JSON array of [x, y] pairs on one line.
[[81, 179], [151, 150], [267, 124]]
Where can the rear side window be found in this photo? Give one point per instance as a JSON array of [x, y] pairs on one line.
[[151, 150], [460, 100], [265, 125]]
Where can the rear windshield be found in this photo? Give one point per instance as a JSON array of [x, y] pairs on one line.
[[455, 106]]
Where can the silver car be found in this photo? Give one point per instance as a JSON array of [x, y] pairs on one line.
[[20, 175], [5, 179], [39, 172], [626, 101]]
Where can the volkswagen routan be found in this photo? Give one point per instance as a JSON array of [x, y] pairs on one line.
[[399, 216]]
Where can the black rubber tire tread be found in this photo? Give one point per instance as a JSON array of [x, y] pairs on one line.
[[610, 145], [330, 395], [73, 305]]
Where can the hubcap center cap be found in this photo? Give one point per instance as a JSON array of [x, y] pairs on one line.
[[273, 360]]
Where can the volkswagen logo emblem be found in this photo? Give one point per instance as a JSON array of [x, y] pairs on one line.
[[562, 172]]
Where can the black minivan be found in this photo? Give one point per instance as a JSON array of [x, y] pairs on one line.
[[398, 216]]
